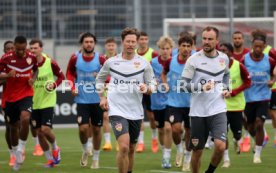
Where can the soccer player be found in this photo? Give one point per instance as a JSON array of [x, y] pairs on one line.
[[240, 81], [178, 106], [44, 100], [260, 67], [130, 76], [159, 99], [181, 34], [21, 69], [110, 51], [148, 53], [206, 76], [82, 71], [238, 43], [8, 46]]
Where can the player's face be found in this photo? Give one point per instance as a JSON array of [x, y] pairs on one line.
[[36, 49], [110, 48], [209, 41], [185, 49], [165, 51], [237, 40], [88, 44], [226, 51], [9, 47], [258, 47], [20, 49], [143, 41], [129, 43]]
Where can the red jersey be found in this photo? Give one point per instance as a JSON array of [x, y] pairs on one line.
[[18, 87], [239, 57]]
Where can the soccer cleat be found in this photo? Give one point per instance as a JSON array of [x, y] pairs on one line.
[[16, 166], [266, 139], [257, 159], [246, 145], [49, 164], [84, 159], [226, 164], [19, 155], [12, 160], [154, 145], [140, 148], [56, 155], [107, 147], [178, 160], [95, 164], [38, 150], [186, 167], [166, 163]]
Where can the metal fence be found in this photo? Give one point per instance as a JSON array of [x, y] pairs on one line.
[[59, 22]]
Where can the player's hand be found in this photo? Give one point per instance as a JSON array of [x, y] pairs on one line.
[[75, 92], [12, 73], [226, 94], [166, 87], [208, 86], [104, 103], [270, 83], [143, 88], [31, 81]]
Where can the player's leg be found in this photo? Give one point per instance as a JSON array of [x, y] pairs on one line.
[[106, 129], [90, 138], [8, 141], [272, 113], [141, 146], [37, 149], [159, 116], [96, 121], [187, 150]]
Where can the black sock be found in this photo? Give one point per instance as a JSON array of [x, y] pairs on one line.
[[211, 169], [129, 171]]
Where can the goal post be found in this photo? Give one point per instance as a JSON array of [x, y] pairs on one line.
[[173, 26]]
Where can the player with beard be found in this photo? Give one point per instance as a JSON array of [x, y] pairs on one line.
[[239, 49], [206, 76], [81, 72]]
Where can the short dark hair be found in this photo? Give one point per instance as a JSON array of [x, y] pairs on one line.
[[192, 34], [7, 42], [212, 28], [110, 40], [258, 35], [20, 39], [36, 40], [85, 35], [238, 32], [143, 33], [186, 39], [228, 46], [130, 31]]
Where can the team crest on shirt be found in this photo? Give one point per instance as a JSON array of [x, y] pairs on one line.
[[137, 64], [29, 60], [171, 118], [79, 119], [195, 142], [34, 123], [221, 62], [119, 127]]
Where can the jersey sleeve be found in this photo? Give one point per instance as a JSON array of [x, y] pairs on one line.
[[71, 71], [57, 72], [189, 69], [149, 77], [102, 75]]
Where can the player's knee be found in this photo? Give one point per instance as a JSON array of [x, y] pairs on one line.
[[220, 146], [124, 149]]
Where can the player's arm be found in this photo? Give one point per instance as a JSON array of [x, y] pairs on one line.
[[3, 66], [226, 76], [150, 80], [35, 72], [71, 73], [272, 72], [101, 78], [58, 73], [166, 69], [187, 76]]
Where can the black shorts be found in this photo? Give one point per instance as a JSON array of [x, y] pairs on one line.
[[146, 102], [256, 109], [159, 117], [89, 111], [42, 117], [122, 126], [177, 115], [13, 109], [201, 126], [272, 104], [234, 119]]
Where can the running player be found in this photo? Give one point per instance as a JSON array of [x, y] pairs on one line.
[[44, 100], [81, 71], [21, 73], [130, 76], [148, 53]]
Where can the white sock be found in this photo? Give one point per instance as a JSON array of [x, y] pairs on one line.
[[154, 133], [179, 148], [162, 149], [90, 139], [107, 137], [14, 149], [141, 137], [96, 154], [10, 151], [54, 145], [85, 147], [36, 141], [21, 145], [258, 150], [188, 156], [48, 155], [167, 153], [226, 155]]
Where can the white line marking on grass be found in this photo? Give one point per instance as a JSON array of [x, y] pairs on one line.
[[105, 167], [165, 171]]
